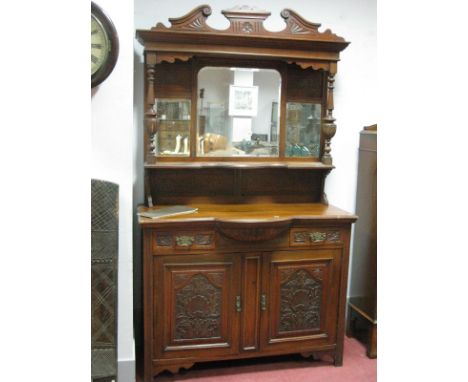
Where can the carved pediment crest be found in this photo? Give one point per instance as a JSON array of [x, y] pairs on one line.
[[194, 20], [248, 20]]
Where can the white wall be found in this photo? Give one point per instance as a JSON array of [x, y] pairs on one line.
[[112, 157]]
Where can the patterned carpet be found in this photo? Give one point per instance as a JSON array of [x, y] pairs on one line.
[[356, 368]]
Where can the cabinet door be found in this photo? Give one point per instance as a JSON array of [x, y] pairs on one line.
[[300, 300], [250, 316], [195, 305]]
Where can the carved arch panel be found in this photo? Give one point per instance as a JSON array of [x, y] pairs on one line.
[[196, 306], [302, 296]]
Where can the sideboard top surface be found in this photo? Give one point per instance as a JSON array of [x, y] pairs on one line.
[[253, 213]]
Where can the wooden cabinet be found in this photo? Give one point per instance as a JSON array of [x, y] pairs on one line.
[[234, 297], [238, 124]]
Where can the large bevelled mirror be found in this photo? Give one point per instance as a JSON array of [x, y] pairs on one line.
[[238, 112]]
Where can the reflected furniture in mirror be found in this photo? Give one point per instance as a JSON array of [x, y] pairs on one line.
[[238, 123]]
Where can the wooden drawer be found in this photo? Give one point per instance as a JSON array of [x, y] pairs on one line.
[[307, 237], [183, 240]]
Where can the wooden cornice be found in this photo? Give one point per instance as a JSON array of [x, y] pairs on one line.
[[246, 29]]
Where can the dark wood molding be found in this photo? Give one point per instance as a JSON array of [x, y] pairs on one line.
[[191, 34], [246, 231], [246, 20]]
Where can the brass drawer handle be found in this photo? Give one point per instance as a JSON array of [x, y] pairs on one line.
[[263, 302], [185, 241], [317, 236], [238, 304]]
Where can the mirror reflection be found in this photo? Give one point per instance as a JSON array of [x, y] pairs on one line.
[[238, 112], [173, 134], [303, 125]]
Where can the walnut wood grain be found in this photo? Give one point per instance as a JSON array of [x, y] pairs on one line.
[[247, 163], [254, 213], [245, 22], [261, 268]]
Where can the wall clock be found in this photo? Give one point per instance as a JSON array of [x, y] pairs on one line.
[[104, 45]]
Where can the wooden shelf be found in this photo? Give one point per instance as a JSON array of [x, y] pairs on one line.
[[254, 213], [240, 164]]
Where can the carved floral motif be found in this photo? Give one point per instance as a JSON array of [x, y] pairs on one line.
[[164, 240], [317, 236], [333, 236], [247, 27], [198, 309], [300, 302], [203, 239], [184, 240], [302, 237]]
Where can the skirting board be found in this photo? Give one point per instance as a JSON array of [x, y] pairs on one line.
[[126, 370]]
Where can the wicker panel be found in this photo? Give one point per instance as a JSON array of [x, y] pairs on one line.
[[104, 250], [104, 245], [104, 206], [103, 293], [103, 363]]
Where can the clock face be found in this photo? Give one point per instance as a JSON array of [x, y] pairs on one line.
[[100, 45], [104, 45]]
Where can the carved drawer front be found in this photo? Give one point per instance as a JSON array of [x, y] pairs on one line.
[[187, 240], [306, 237], [195, 310]]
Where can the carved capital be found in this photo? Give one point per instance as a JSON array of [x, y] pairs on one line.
[[328, 122]]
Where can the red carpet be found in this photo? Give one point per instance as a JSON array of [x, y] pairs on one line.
[[356, 368]]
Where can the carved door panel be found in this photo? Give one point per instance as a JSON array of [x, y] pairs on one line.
[[300, 300], [195, 308]]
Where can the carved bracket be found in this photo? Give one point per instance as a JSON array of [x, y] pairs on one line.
[[171, 57], [311, 64]]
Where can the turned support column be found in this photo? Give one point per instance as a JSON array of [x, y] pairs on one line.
[[150, 114], [328, 122], [150, 122]]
